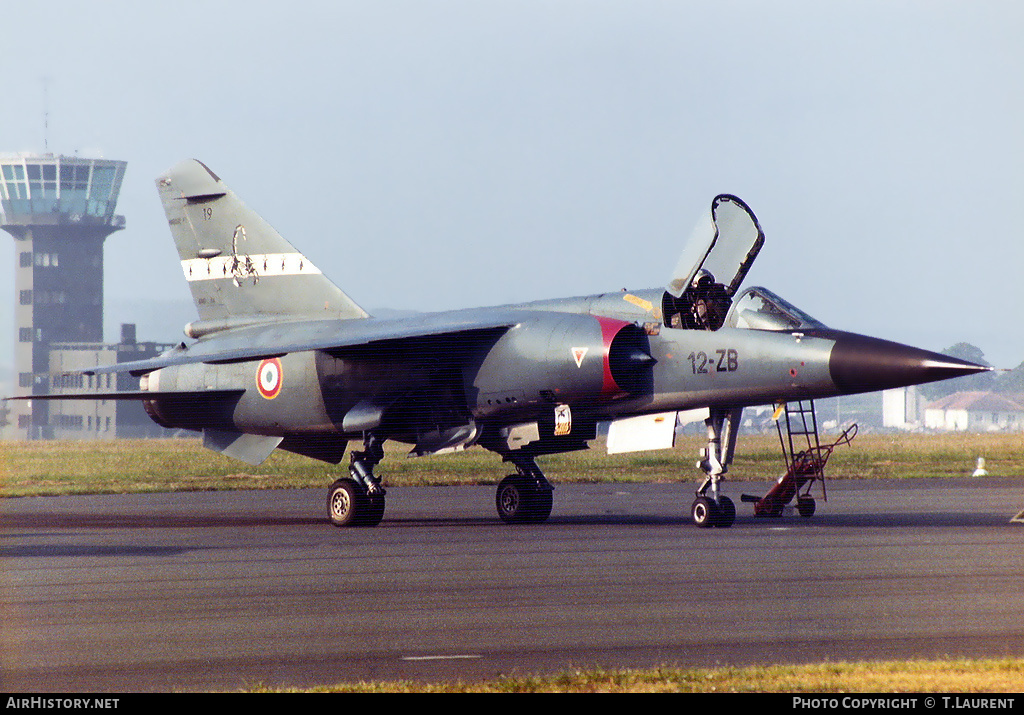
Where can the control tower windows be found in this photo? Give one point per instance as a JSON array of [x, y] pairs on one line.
[[102, 183]]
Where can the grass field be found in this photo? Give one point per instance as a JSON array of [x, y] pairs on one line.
[[119, 466], [948, 676]]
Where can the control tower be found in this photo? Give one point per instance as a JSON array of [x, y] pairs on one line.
[[59, 210]]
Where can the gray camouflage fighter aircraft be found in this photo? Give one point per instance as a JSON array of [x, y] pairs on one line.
[[282, 358]]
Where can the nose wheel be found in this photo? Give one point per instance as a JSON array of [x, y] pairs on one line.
[[708, 513]]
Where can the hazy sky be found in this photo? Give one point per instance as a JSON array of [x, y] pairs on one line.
[[433, 155]]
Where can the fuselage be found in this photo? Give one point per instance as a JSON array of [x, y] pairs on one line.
[[603, 356]]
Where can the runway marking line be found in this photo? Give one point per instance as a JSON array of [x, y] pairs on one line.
[[441, 657]]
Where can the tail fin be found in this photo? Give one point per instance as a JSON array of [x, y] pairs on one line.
[[238, 267]]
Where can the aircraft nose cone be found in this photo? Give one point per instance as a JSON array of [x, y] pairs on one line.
[[863, 364]]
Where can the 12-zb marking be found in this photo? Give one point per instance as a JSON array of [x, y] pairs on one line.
[[701, 364]]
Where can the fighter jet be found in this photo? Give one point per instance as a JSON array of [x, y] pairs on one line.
[[281, 358]]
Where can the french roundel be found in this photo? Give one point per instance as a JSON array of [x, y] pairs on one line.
[[268, 378]]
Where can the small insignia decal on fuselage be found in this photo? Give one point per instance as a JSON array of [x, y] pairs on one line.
[[578, 354], [563, 420], [269, 377]]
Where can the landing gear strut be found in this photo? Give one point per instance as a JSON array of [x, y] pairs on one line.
[[359, 500], [711, 508], [525, 497]]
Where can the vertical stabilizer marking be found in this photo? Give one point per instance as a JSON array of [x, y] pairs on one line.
[[262, 265]]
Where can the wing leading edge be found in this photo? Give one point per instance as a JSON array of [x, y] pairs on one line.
[[277, 339]]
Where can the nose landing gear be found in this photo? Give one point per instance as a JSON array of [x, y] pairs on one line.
[[710, 508]]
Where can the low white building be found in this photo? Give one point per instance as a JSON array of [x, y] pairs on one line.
[[903, 408], [975, 412]]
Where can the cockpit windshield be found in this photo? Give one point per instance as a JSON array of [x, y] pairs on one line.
[[759, 309]]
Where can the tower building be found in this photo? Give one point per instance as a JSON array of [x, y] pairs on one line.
[[59, 209]]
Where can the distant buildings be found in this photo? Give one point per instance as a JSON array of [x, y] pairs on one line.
[[60, 210], [903, 408], [974, 412], [965, 411]]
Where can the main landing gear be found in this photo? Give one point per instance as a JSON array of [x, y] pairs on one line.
[[525, 497], [359, 500]]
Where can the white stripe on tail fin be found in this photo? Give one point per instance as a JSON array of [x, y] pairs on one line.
[[238, 267]]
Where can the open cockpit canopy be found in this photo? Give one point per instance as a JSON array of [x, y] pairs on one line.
[[714, 262]]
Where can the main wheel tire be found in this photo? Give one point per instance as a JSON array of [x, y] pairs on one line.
[[805, 506], [539, 507], [726, 513], [373, 510], [343, 503], [704, 512], [519, 501], [511, 498]]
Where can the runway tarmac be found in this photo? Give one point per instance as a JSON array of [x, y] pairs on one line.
[[220, 590]]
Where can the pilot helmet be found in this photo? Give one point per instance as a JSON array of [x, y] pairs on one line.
[[703, 278]]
